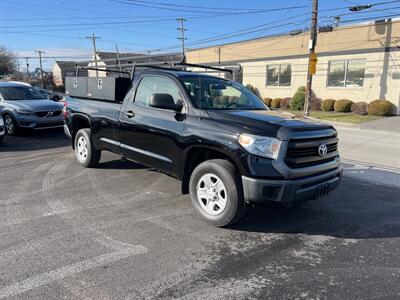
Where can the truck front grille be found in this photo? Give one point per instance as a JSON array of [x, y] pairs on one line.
[[304, 152], [48, 114]]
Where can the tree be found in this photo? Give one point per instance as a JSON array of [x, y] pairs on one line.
[[7, 61]]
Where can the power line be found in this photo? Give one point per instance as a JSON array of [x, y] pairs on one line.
[[160, 21], [194, 6], [154, 5]]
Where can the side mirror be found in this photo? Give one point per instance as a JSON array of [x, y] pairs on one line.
[[179, 105], [165, 101]]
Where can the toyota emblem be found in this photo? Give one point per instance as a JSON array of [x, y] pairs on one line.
[[322, 150]]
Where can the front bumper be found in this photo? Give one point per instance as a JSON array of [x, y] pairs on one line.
[[290, 192], [33, 122]]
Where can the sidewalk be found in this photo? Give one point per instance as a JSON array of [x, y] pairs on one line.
[[388, 124], [370, 155], [371, 151], [391, 124]]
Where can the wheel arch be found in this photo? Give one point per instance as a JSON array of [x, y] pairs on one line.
[[79, 121], [197, 154]]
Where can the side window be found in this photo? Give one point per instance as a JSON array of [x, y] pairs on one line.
[[144, 91], [150, 85]]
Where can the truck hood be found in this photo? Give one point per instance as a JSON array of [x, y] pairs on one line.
[[265, 121], [35, 105]]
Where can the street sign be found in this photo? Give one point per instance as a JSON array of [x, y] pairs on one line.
[[313, 64]]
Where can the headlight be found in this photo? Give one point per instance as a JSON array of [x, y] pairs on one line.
[[260, 145], [24, 112]]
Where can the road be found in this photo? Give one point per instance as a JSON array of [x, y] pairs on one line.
[[122, 231]]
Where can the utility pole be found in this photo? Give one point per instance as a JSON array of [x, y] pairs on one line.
[[118, 63], [27, 68], [41, 69], [182, 29], [93, 39], [219, 59], [312, 59]]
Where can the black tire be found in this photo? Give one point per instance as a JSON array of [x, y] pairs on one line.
[[56, 98], [10, 125], [230, 177], [85, 152]]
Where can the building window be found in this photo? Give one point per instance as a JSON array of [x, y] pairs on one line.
[[346, 73], [279, 75]]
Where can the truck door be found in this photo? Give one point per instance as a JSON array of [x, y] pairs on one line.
[[149, 135]]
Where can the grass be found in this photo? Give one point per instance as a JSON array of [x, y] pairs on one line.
[[339, 117]]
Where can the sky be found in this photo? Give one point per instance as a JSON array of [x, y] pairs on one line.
[[60, 27]]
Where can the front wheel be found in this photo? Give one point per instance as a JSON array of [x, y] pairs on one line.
[[10, 125], [87, 155], [216, 192]]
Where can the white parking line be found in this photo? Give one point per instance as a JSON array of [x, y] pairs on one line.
[[57, 274]]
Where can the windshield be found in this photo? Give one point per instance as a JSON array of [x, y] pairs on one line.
[[214, 93], [20, 93]]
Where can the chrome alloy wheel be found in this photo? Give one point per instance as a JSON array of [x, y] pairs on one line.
[[82, 148], [211, 194], [9, 125]]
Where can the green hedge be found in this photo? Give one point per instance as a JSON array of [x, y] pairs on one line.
[[343, 105], [380, 108], [275, 102], [328, 104], [267, 101]]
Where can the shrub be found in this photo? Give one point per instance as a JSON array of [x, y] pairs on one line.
[[359, 108], [328, 104], [343, 105], [299, 98], [267, 101], [285, 103], [275, 102], [380, 108], [316, 104], [254, 90]]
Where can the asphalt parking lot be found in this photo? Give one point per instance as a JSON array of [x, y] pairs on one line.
[[123, 231]]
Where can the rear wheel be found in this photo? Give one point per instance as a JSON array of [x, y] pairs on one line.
[[85, 152], [10, 125], [216, 192]]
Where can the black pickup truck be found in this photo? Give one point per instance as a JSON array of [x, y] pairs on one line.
[[225, 145]]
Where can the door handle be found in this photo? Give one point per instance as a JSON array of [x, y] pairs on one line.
[[129, 114]]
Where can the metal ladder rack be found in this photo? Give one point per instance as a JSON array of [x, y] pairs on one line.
[[175, 65]]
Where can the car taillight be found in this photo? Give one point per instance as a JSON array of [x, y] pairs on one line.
[[65, 109]]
